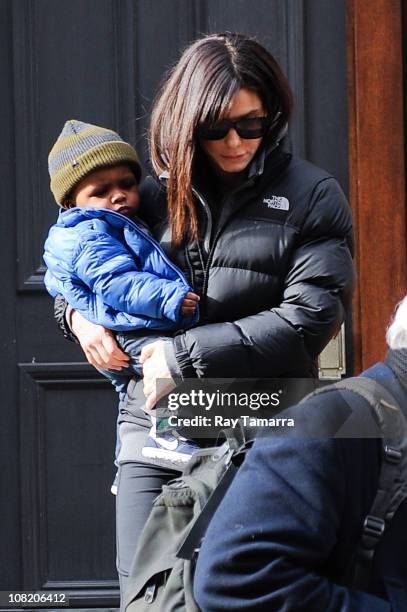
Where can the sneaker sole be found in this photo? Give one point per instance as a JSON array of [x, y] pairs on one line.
[[158, 453]]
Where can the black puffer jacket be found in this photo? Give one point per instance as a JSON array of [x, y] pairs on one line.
[[273, 268]]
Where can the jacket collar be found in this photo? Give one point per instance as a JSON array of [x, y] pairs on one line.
[[73, 216], [265, 153]]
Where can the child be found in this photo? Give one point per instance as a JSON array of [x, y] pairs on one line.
[[103, 260]]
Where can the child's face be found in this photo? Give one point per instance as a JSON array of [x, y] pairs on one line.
[[114, 188]]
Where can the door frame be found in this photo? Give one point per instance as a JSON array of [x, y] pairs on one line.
[[377, 170]]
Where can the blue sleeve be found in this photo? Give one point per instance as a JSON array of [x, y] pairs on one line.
[[110, 271], [270, 542]]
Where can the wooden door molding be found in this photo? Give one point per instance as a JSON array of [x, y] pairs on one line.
[[377, 170]]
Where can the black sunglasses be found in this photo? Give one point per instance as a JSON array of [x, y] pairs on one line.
[[247, 127]]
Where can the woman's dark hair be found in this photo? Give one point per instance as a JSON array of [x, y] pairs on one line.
[[200, 89]]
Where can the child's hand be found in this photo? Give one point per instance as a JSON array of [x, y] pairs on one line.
[[189, 304]]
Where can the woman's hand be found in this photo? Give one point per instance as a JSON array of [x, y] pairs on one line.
[[98, 344], [156, 375]]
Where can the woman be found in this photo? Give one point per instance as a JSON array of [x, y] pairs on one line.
[[263, 238]]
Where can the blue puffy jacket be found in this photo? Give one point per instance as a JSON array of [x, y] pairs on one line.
[[113, 272]]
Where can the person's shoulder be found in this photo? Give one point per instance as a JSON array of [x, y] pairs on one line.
[[311, 177], [93, 228], [80, 221], [308, 170], [326, 208], [93, 233], [62, 239], [327, 412], [307, 182]]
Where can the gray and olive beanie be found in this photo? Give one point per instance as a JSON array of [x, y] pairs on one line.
[[82, 148]]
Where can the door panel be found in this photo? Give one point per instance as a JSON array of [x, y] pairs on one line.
[[99, 61]]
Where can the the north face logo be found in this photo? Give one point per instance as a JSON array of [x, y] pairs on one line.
[[278, 202]]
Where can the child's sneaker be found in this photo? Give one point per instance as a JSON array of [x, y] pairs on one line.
[[168, 446]]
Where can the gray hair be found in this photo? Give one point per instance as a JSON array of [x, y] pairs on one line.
[[396, 335]]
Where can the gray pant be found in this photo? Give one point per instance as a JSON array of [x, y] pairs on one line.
[[138, 486], [131, 343], [139, 483]]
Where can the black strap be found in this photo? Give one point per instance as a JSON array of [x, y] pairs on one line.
[[392, 485], [193, 540], [240, 436], [232, 453]]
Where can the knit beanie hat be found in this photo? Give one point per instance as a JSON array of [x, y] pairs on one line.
[[82, 148]]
